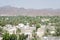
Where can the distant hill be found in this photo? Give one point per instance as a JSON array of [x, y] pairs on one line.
[[13, 11]]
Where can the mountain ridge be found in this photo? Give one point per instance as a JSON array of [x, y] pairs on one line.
[[14, 11]]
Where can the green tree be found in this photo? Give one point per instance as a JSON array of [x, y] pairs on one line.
[[57, 31], [18, 31], [1, 30], [38, 26], [6, 36], [22, 37], [34, 35], [13, 37]]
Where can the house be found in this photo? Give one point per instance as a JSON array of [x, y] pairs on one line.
[[40, 32], [0, 38], [44, 19], [28, 30], [10, 29]]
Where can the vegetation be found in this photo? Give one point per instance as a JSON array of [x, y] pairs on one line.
[[37, 26], [8, 36], [57, 31], [15, 20], [23, 37], [18, 31]]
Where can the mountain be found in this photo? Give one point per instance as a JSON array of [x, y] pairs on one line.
[[13, 11]]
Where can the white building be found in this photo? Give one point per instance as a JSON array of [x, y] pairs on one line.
[[40, 32], [10, 29], [43, 20]]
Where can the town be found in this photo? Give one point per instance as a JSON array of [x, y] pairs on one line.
[[29, 28]]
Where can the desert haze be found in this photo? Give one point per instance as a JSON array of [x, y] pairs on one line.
[[13, 11]]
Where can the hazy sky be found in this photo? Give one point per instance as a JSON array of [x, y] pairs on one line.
[[36, 4]]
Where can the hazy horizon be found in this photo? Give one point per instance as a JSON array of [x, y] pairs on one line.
[[35, 4]]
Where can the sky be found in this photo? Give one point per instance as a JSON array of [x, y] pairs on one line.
[[35, 4]]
